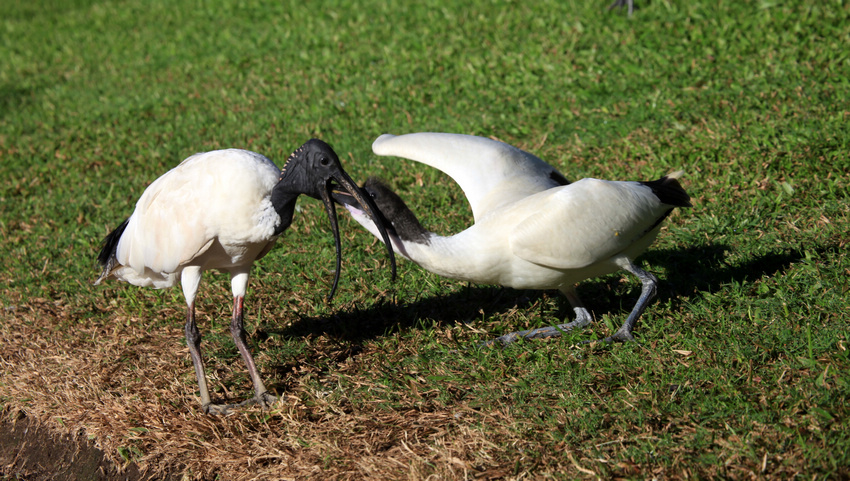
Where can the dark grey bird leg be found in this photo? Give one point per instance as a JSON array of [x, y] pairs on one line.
[[650, 283], [582, 319], [193, 341], [237, 330], [623, 334]]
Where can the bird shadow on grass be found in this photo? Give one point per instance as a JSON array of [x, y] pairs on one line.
[[688, 273], [701, 269], [467, 303]]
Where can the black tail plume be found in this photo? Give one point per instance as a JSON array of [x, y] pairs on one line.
[[669, 191], [110, 243]]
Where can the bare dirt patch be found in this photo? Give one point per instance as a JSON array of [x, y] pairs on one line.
[[29, 451]]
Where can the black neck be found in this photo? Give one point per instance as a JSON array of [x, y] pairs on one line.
[[393, 209], [407, 226], [283, 202]]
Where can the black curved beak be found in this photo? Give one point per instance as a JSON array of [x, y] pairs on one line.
[[346, 184]]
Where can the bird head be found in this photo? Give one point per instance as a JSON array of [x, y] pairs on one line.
[[314, 169], [400, 221]]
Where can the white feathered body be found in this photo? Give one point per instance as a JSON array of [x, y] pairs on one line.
[[551, 239], [532, 229], [214, 209]]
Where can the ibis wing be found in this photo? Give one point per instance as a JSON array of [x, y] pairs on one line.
[[214, 195], [165, 230], [589, 221], [492, 174]]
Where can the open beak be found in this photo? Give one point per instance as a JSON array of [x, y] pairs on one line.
[[346, 186]]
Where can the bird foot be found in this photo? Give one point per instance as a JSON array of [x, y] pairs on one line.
[[264, 400], [219, 409], [548, 331], [623, 334], [504, 340], [619, 336]]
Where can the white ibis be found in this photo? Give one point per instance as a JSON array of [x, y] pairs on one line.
[[532, 229], [223, 210]]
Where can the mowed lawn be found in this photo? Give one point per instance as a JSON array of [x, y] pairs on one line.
[[741, 368]]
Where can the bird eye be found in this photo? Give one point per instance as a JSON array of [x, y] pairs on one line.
[[324, 161]]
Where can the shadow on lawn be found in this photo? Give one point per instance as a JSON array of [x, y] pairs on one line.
[[465, 304], [689, 272], [703, 268]]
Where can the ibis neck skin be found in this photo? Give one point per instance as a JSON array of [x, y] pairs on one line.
[[283, 203], [532, 228], [223, 210]]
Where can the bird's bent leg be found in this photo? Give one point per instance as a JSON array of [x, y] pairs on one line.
[[237, 330], [650, 283], [193, 341], [582, 316], [582, 319]]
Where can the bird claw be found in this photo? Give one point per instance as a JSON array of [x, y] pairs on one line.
[[623, 334], [513, 336], [504, 340], [619, 336], [264, 400], [543, 332], [219, 409]]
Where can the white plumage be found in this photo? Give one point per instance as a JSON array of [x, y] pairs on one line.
[[492, 174], [213, 209], [532, 229]]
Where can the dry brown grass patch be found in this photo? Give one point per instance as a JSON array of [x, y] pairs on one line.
[[130, 389]]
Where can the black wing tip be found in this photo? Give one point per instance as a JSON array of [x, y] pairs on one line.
[[669, 191], [558, 178]]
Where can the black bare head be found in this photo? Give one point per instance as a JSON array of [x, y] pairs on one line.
[[314, 169], [397, 216], [309, 168]]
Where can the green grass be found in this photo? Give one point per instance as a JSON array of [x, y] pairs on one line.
[[742, 366]]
